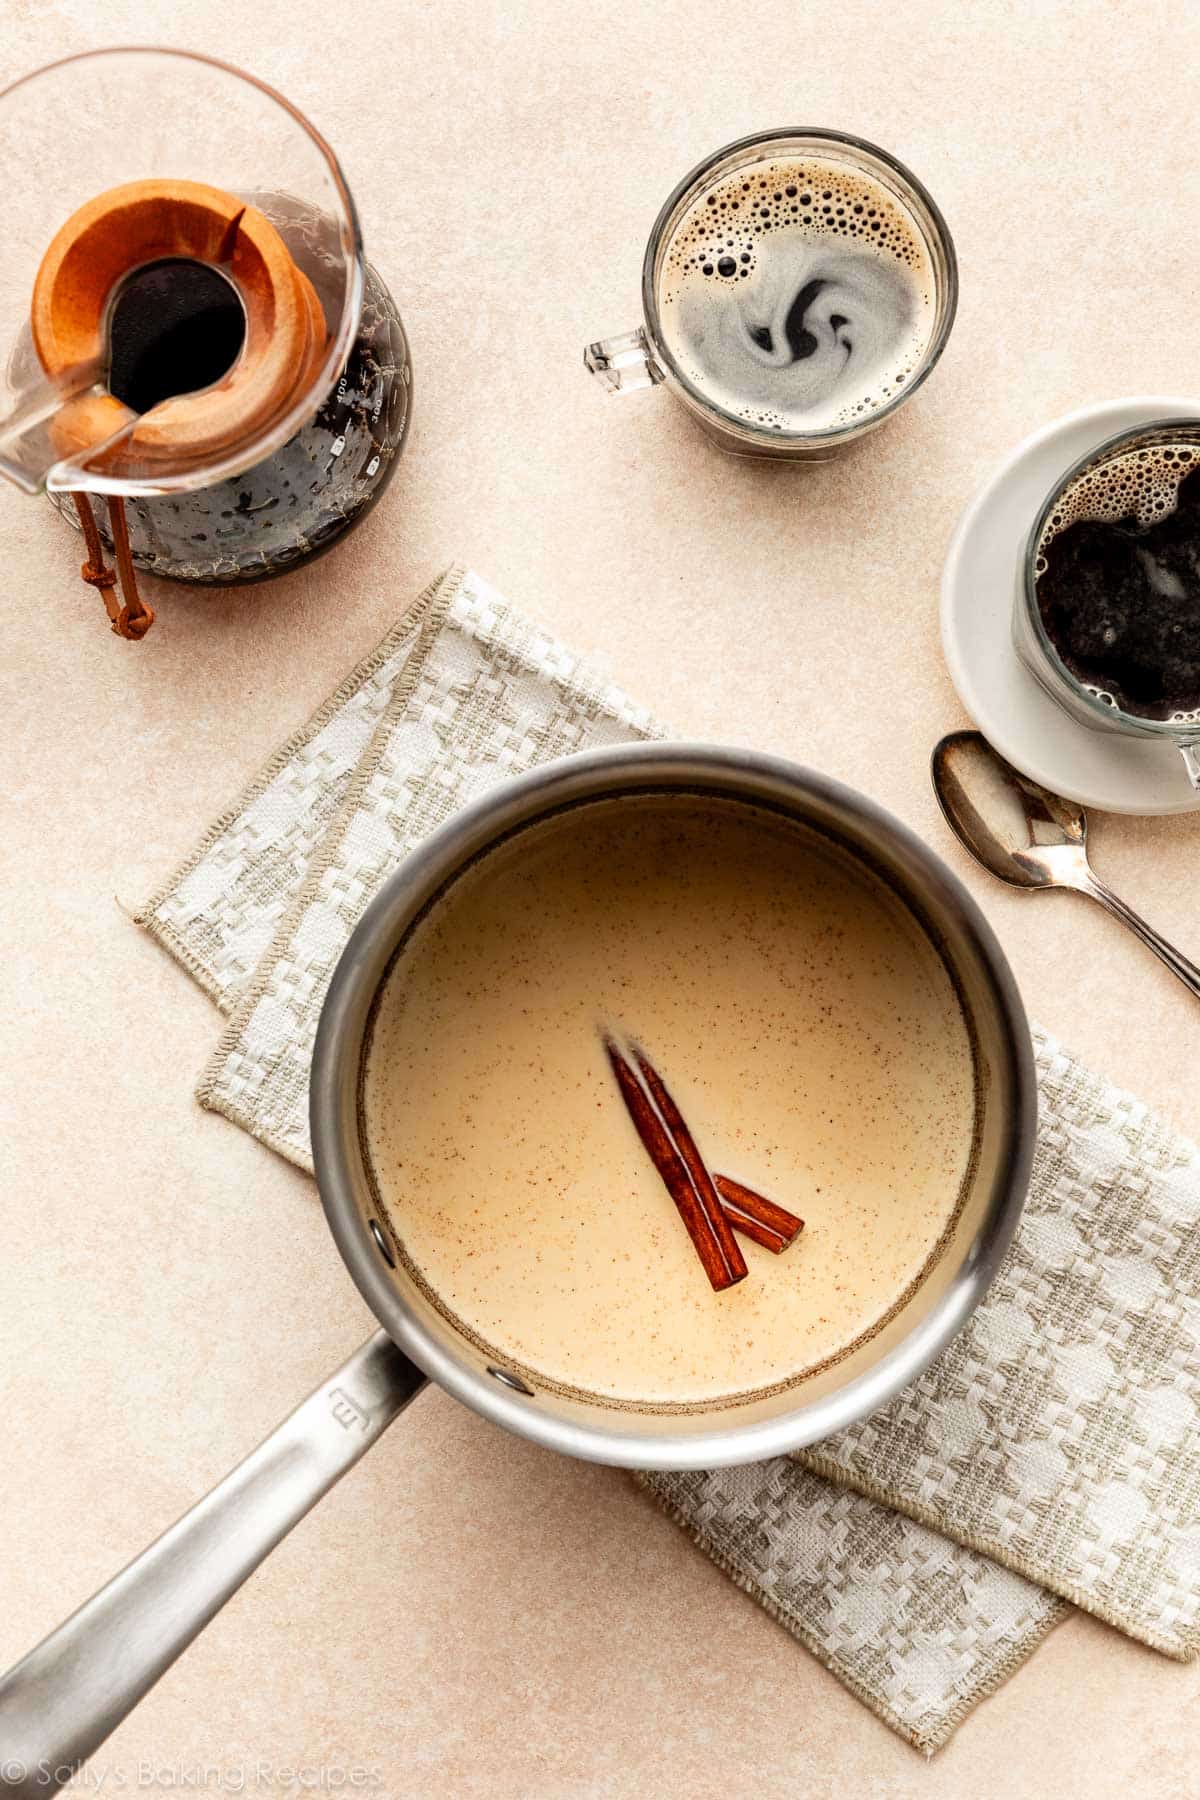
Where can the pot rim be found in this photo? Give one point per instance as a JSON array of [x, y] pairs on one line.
[[673, 1443]]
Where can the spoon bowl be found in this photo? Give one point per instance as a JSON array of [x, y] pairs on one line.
[[1018, 830], [1027, 836]]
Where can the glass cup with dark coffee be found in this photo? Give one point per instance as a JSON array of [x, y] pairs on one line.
[[1107, 613], [797, 287]]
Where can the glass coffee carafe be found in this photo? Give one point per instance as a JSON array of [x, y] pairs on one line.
[[202, 370]]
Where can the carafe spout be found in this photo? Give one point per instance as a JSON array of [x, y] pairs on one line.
[[57, 426]]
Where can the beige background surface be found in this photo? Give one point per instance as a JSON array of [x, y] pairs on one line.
[[469, 1615]]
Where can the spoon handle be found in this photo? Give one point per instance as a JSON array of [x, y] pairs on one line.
[[1175, 960]]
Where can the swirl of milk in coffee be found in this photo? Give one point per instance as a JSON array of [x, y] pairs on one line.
[[798, 296], [815, 330]]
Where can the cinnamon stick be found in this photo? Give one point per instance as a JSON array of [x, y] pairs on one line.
[[737, 1199], [759, 1234], [666, 1155], [702, 1181]]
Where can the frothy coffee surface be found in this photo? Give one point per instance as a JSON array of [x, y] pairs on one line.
[[798, 295], [1118, 580], [808, 1031]]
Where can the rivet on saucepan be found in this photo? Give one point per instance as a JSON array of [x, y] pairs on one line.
[[511, 1381], [384, 1248]]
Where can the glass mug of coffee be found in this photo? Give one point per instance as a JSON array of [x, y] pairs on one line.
[[797, 287], [1107, 615]]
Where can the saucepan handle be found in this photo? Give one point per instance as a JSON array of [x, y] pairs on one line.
[[62, 1700]]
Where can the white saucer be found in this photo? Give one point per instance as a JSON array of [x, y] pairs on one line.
[[1096, 768]]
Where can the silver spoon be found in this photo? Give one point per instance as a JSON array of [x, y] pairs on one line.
[[1028, 836]]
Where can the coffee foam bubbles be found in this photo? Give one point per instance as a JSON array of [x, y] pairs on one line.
[[1140, 484], [798, 295]]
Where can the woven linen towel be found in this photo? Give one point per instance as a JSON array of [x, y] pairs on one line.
[[1052, 1453]]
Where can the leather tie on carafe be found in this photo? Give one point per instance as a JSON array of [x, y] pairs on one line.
[[106, 240], [133, 619]]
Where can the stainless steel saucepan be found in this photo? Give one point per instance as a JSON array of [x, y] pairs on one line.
[[60, 1703]]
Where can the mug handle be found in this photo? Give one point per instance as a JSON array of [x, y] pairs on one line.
[[1191, 762], [60, 1702], [625, 364]]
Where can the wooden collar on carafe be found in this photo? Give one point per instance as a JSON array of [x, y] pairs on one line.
[[123, 230]]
